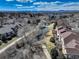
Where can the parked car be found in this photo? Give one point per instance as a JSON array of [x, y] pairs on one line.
[[3, 38]]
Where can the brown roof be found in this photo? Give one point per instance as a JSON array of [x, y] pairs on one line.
[[60, 22], [69, 38], [72, 51], [71, 41]]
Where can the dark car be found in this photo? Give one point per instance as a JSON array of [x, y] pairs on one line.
[[4, 39], [0, 36]]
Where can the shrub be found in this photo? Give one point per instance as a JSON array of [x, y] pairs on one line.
[[52, 40], [0, 42], [55, 25], [54, 53]]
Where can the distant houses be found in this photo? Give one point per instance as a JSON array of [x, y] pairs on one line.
[[13, 24], [7, 32]]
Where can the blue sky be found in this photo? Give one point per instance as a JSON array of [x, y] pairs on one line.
[[38, 5]]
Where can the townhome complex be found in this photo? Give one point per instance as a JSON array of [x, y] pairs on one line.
[[67, 40]]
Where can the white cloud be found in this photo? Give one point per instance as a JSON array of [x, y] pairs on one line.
[[24, 7], [25, 0], [57, 2], [9, 0], [48, 6], [54, 6], [71, 4], [44, 3], [18, 5], [38, 3]]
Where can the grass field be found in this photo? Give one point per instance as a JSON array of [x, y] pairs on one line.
[[48, 36]]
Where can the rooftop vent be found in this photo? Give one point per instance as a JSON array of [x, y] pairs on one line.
[[60, 28], [63, 31], [77, 46]]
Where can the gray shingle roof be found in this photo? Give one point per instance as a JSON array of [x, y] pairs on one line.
[[6, 29]]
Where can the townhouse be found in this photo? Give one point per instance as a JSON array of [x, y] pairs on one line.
[[68, 41]]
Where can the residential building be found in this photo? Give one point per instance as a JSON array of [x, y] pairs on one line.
[[68, 41]]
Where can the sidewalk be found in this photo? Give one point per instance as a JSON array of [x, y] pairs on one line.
[[46, 52]]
